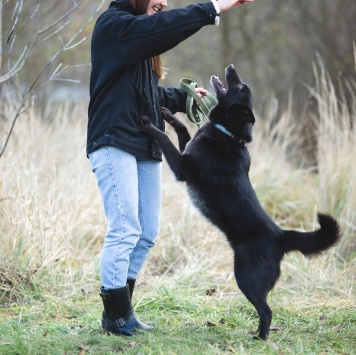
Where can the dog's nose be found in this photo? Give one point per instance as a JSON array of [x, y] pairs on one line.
[[231, 72]]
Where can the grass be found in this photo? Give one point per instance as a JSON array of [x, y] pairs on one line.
[[52, 225], [185, 323]]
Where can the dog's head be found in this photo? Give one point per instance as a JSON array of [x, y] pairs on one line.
[[234, 107]]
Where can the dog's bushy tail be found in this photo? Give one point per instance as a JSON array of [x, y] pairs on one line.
[[313, 243]]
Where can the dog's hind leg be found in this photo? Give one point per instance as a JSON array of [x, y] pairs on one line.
[[260, 303], [256, 275], [179, 127], [265, 314]]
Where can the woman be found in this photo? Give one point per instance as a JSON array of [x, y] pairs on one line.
[[126, 43]]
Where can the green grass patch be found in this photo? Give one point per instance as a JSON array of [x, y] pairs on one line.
[[184, 323]]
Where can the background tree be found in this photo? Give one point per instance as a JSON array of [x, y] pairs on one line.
[[35, 41], [273, 44]]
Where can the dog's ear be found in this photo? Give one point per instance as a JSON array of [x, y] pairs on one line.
[[243, 111]]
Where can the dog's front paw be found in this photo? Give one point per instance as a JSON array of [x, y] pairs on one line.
[[146, 124], [167, 115]]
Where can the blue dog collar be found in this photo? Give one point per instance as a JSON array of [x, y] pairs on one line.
[[224, 130], [227, 132]]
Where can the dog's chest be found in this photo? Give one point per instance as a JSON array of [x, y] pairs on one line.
[[223, 162]]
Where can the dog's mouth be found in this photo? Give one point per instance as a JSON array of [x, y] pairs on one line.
[[219, 87], [232, 79]]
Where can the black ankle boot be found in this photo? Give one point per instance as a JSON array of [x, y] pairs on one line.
[[119, 317], [131, 284]]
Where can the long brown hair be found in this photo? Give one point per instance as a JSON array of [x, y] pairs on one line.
[[141, 6]]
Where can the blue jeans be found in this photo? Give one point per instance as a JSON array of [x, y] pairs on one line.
[[131, 193]]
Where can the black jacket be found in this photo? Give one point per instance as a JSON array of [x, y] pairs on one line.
[[123, 86]]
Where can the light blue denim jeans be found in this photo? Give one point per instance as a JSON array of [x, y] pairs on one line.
[[131, 193]]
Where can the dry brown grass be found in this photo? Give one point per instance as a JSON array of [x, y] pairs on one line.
[[52, 222]]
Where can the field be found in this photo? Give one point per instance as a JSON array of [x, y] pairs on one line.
[[52, 226]]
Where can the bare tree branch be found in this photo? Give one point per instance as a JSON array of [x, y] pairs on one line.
[[72, 43], [18, 8]]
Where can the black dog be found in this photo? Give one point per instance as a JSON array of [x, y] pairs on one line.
[[215, 166]]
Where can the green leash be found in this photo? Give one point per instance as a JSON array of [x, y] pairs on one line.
[[197, 108]]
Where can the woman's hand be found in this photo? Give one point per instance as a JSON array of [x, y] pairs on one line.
[[226, 5], [201, 92]]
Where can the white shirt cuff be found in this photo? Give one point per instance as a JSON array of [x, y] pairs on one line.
[[216, 5], [217, 9]]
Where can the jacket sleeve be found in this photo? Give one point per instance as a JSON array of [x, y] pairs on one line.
[[141, 37], [172, 98]]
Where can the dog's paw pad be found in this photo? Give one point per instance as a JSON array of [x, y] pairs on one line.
[[166, 114], [145, 120]]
